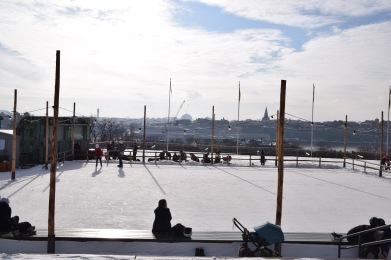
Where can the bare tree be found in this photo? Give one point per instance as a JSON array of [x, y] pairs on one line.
[[107, 129]]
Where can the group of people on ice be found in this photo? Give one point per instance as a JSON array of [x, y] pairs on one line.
[[206, 159], [114, 150]]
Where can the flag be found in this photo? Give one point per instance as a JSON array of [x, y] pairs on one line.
[[170, 88], [389, 99], [313, 93], [239, 92]]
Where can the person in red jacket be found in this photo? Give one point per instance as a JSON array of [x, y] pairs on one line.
[[98, 155]]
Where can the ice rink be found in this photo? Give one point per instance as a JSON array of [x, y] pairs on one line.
[[204, 197]]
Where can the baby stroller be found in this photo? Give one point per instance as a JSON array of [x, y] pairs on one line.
[[264, 235]]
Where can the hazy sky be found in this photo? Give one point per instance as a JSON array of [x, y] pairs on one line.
[[120, 55]]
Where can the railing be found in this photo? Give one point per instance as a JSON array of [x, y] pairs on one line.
[[61, 155], [360, 245], [250, 160]]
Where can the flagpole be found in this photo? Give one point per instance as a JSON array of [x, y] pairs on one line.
[[388, 117], [168, 118], [237, 137], [312, 120]]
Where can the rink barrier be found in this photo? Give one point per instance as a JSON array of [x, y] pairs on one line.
[[125, 235], [254, 161]]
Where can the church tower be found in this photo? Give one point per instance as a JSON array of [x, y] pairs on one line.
[[266, 116]]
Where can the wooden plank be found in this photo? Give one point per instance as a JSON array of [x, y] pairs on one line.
[[125, 235]]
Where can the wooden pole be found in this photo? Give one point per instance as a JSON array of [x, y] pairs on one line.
[[381, 143], [280, 157], [73, 131], [53, 165], [344, 142], [281, 153], [14, 138], [47, 134], [213, 134], [145, 126]]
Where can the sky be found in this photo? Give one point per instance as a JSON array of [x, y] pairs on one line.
[[120, 56]]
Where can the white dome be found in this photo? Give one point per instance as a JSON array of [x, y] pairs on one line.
[[187, 117]]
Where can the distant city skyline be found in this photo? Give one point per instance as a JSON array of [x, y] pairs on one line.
[[120, 56]]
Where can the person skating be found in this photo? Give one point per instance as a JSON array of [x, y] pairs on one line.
[[121, 149], [135, 147], [263, 160], [98, 155]]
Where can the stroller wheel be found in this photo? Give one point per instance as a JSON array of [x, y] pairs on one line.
[[265, 252]]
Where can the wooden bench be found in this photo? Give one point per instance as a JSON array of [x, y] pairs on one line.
[[125, 235], [143, 242]]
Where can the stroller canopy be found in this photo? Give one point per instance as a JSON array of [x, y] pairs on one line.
[[270, 232]]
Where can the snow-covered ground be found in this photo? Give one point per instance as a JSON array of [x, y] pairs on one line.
[[204, 197]]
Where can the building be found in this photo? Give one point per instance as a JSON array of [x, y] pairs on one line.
[[32, 133], [265, 117], [6, 146]]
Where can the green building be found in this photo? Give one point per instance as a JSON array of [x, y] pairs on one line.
[[32, 133]]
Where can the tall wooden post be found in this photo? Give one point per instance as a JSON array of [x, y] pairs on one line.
[[14, 138], [47, 134], [280, 158], [52, 191], [344, 142], [281, 153], [381, 143], [73, 131], [145, 126], [213, 134]]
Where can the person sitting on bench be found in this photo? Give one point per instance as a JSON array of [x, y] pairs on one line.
[[11, 224], [162, 222]]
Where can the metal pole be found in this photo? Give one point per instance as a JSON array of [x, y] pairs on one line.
[[73, 131], [213, 131], [47, 134], [14, 137], [145, 126], [237, 130], [168, 119], [344, 142], [312, 120]]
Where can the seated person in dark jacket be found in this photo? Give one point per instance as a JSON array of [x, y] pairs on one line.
[[11, 224], [162, 222]]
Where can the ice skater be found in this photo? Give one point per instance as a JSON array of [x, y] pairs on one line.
[[98, 155], [135, 147], [121, 149], [263, 160]]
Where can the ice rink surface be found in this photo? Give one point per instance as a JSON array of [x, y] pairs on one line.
[[204, 197]]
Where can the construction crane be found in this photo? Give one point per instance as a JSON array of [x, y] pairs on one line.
[[179, 109], [173, 121]]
